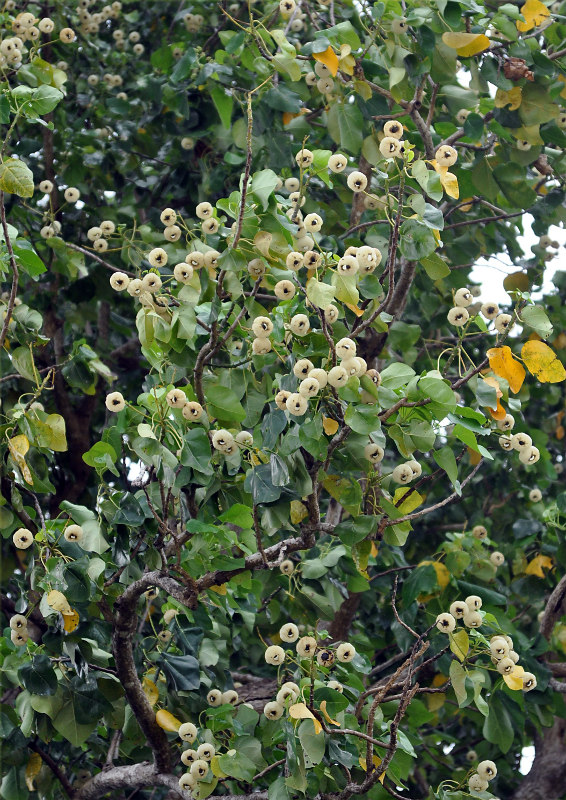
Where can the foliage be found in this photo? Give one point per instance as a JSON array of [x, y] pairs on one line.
[[249, 383]]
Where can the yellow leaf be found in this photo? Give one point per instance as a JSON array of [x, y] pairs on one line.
[[474, 456], [215, 768], [347, 64], [498, 412], [219, 589], [436, 700], [329, 59], [326, 716], [300, 711], [503, 363], [466, 44], [374, 550], [32, 770], [150, 690], [288, 117], [535, 14], [376, 761], [298, 512], [512, 98], [363, 88], [262, 240], [412, 501], [59, 602], [442, 574], [450, 185], [436, 235], [167, 721], [542, 362], [330, 426], [19, 446], [357, 311], [515, 679], [460, 643], [70, 620], [535, 567]]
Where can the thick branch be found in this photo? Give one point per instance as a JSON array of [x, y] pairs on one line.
[[134, 776], [125, 626], [554, 609]]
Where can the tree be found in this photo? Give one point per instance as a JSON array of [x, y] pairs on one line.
[[282, 500]]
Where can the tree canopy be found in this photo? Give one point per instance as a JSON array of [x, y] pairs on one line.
[[282, 497]]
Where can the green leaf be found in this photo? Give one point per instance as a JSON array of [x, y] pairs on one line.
[[446, 459], [536, 318], [320, 294], [313, 745], [458, 677], [416, 240], [28, 259], [498, 726], [260, 485], [435, 267], [38, 676], [237, 766], [346, 126], [223, 403], [13, 785], [23, 362], [102, 457], [536, 105], [346, 289], [16, 178], [223, 103], [263, 184], [44, 100], [93, 540], [51, 433], [396, 375], [182, 672], [362, 419]]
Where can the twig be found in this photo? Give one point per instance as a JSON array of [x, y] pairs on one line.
[[54, 767], [94, 257], [16, 274], [247, 170]]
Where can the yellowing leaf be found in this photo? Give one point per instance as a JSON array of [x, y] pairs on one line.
[[32, 770], [167, 721], [70, 620], [450, 184], [357, 311], [442, 574], [215, 768], [329, 59], [330, 426], [436, 700], [326, 715], [535, 13], [262, 240], [503, 364], [466, 44], [460, 643], [150, 690], [288, 117], [536, 566], [219, 589], [376, 761], [374, 550], [19, 446], [512, 98], [412, 501], [59, 602], [515, 679], [298, 512], [542, 362], [300, 711]]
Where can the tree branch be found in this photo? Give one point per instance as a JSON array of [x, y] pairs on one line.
[[16, 274], [125, 626], [133, 776]]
